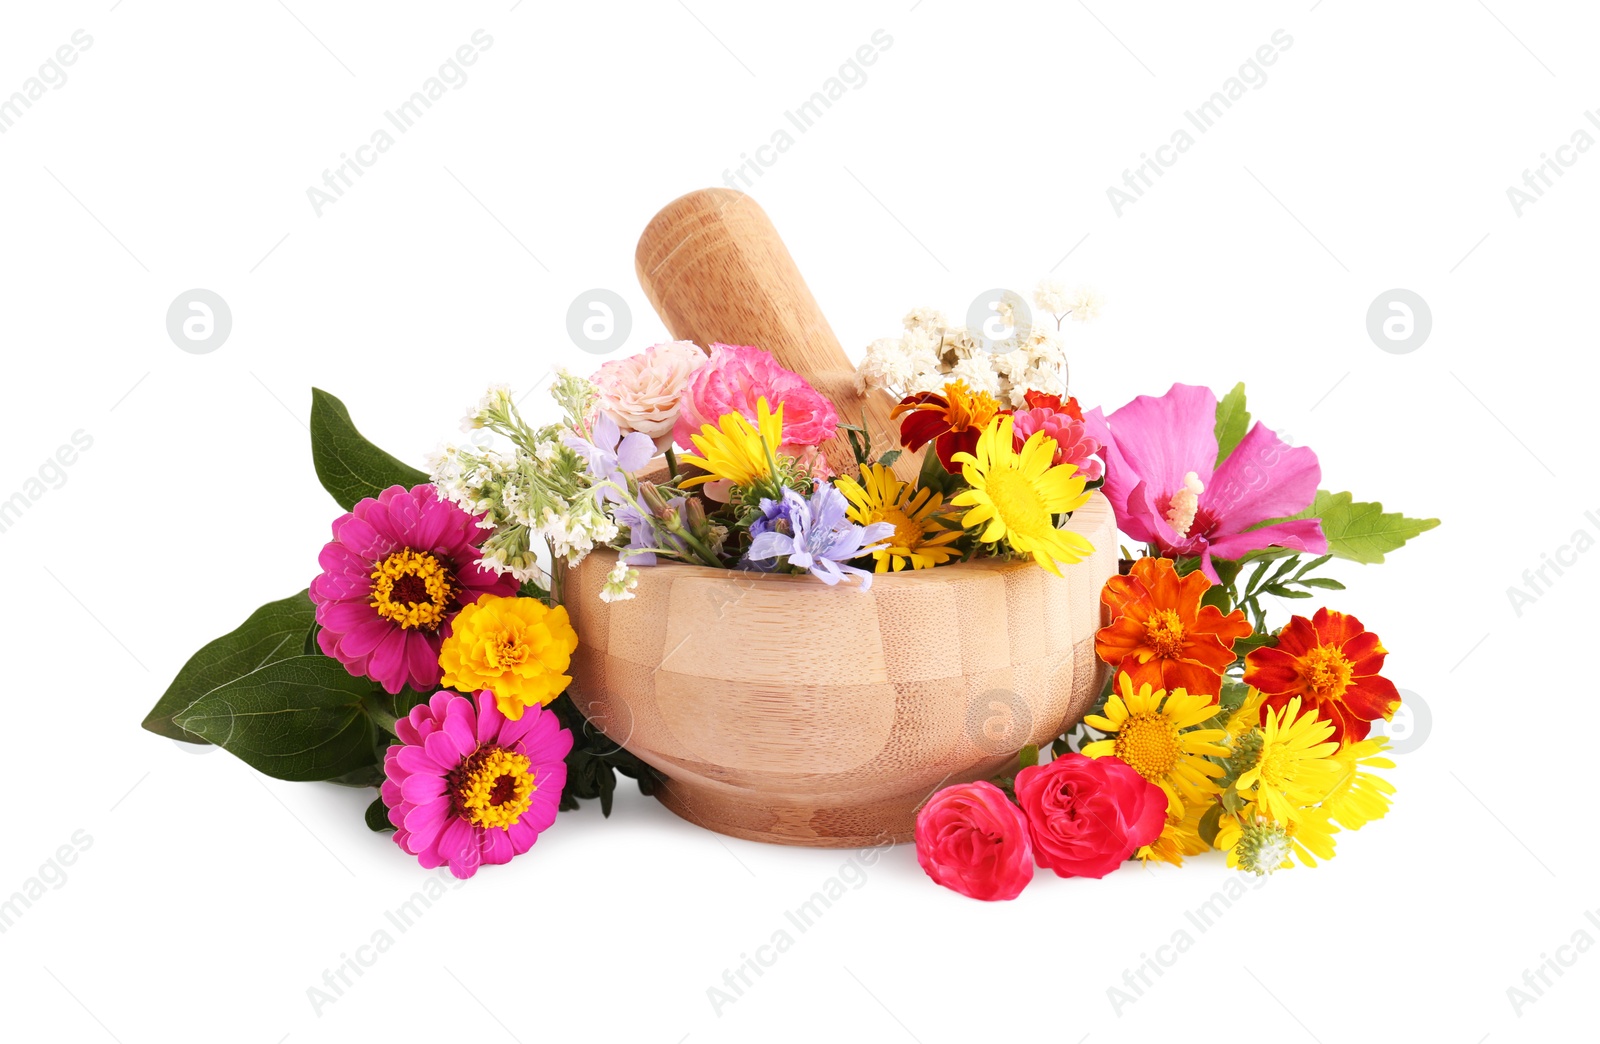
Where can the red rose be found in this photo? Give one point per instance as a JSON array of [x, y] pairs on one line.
[[971, 839], [1088, 815]]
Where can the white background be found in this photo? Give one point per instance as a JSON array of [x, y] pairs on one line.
[[1376, 155]]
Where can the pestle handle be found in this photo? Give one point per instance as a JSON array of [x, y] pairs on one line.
[[716, 270]]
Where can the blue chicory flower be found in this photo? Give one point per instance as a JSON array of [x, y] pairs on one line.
[[821, 540]]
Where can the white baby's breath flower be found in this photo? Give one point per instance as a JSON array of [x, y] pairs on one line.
[[978, 373], [1051, 295], [924, 319], [1084, 303]]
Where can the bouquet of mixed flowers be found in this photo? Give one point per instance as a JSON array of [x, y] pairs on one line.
[[430, 656]]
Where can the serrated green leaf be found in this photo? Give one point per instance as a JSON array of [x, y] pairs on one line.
[[349, 467], [299, 718], [1233, 421], [273, 632], [1361, 532], [378, 816]]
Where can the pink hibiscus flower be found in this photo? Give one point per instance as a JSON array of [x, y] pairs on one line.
[[466, 786], [1164, 485], [398, 570]]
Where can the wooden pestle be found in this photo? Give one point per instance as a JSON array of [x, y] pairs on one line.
[[716, 271]]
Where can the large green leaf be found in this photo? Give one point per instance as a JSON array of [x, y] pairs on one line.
[[276, 631], [1233, 421], [1361, 532], [350, 467], [295, 719]]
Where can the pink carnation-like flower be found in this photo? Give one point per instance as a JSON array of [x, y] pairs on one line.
[[973, 840], [733, 381], [397, 571], [466, 786], [1073, 443], [642, 392]]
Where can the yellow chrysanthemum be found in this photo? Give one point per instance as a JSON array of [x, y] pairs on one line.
[[1295, 768], [1179, 838], [1360, 797], [1258, 845], [517, 648], [919, 540], [1152, 730], [1016, 496], [736, 450]]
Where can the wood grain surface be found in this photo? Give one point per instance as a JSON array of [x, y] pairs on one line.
[[784, 710]]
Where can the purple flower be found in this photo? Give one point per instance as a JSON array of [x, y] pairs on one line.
[[645, 536], [611, 455], [1159, 450], [821, 538]]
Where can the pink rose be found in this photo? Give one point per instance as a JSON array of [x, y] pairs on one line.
[[735, 379], [973, 840], [1073, 443], [642, 392], [1088, 815]]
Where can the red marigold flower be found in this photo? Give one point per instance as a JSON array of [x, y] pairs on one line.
[[1037, 400], [1332, 662], [952, 421], [1161, 635]]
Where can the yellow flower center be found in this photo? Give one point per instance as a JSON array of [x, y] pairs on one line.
[[1017, 502], [907, 534], [1149, 744], [413, 589], [506, 650], [1275, 767], [1326, 671], [1164, 634], [494, 787]]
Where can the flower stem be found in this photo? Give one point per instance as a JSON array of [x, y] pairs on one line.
[[672, 466]]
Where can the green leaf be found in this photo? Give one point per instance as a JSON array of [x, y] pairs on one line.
[[1028, 756], [275, 631], [1209, 824], [350, 467], [297, 719], [1233, 421], [933, 475], [1361, 532], [378, 816], [889, 458]]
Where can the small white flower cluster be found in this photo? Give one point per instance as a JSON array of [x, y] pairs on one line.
[[537, 492], [931, 352], [620, 582]]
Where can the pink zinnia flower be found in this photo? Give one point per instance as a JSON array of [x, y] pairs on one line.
[[1073, 443], [467, 786], [1163, 482], [733, 381], [397, 571]]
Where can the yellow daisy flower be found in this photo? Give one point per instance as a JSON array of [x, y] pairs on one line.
[[736, 450], [1258, 845], [1245, 717], [1148, 731], [1016, 496], [1295, 768], [919, 540], [1360, 797], [1179, 838]]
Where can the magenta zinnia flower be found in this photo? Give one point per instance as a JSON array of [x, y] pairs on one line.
[[1163, 482], [467, 786], [397, 571]]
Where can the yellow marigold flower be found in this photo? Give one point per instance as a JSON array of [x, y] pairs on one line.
[[1153, 731], [517, 648], [736, 450], [1295, 768], [919, 540], [1015, 495], [1360, 797]]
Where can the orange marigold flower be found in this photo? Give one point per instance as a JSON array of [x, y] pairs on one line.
[[1333, 662], [952, 421], [1161, 635]]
